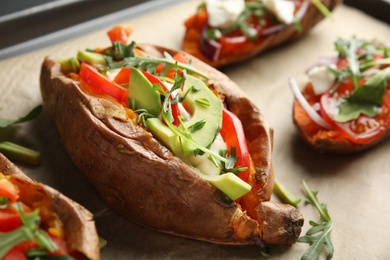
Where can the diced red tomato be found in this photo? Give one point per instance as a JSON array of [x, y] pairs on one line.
[[198, 20], [8, 190], [19, 251], [120, 33], [171, 73], [123, 76], [102, 85], [9, 219], [362, 130], [233, 134]]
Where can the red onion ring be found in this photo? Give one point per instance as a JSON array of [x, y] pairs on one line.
[[210, 48], [306, 106], [323, 61]]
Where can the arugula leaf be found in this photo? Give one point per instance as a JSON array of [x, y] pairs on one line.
[[366, 99], [318, 236], [31, 115], [351, 110]]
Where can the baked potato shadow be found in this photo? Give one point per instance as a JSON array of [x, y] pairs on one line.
[[128, 241], [320, 163]]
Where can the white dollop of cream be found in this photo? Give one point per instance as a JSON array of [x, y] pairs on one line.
[[203, 163], [282, 9], [321, 78], [224, 13]]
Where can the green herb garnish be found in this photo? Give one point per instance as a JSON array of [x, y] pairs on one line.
[[368, 98], [318, 236], [15, 151], [31, 115], [231, 159]]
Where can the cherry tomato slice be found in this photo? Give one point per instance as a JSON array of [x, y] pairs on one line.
[[9, 219], [362, 130], [102, 85], [233, 134], [7, 189]]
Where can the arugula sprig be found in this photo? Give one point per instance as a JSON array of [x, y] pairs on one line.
[[368, 98], [318, 236], [120, 55]]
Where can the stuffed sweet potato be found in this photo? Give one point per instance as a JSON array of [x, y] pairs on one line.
[[345, 106], [228, 32], [39, 221], [144, 155]]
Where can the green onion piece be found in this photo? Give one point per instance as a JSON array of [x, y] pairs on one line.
[[285, 195], [20, 153], [322, 8]]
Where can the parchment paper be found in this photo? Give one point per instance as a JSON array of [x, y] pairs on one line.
[[355, 187]]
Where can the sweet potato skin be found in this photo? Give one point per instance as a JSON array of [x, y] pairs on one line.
[[140, 179], [191, 40], [78, 223]]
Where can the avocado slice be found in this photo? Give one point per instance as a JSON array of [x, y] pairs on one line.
[[209, 111], [69, 64], [230, 184], [143, 94], [93, 58], [166, 136]]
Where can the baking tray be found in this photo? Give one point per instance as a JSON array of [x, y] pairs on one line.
[[355, 187]]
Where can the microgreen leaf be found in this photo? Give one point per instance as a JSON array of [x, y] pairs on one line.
[[231, 159], [149, 64], [197, 126], [203, 101]]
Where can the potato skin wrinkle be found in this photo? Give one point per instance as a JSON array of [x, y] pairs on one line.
[[142, 181], [78, 224]]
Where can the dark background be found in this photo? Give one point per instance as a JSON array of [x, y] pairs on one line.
[[23, 20]]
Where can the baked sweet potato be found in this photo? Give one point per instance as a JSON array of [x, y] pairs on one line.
[[341, 109], [64, 217], [144, 182], [235, 46]]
